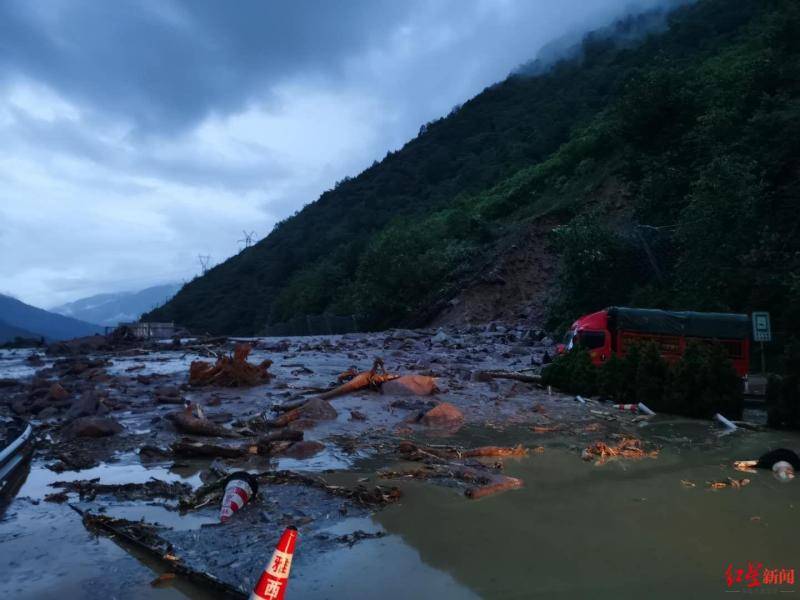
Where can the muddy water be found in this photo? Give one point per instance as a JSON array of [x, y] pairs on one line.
[[626, 529]]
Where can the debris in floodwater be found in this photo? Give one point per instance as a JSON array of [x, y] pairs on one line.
[[729, 482], [411, 451], [317, 409], [483, 481], [359, 381], [188, 448], [361, 495], [239, 488], [155, 488], [631, 448], [147, 537], [688, 484], [546, 428], [189, 423], [523, 377], [57, 497], [352, 538], [440, 465], [230, 371]]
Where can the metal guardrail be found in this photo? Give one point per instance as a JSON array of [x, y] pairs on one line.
[[12, 456]]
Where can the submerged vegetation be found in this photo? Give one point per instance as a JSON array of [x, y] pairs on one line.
[[671, 166]]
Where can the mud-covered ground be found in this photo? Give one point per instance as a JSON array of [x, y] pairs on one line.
[[379, 493]]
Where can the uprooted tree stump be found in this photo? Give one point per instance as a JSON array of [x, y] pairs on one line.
[[230, 371]]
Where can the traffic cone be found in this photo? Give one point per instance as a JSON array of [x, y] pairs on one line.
[[630, 407], [240, 488], [272, 584]]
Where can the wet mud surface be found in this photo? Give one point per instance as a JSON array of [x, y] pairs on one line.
[[573, 527]]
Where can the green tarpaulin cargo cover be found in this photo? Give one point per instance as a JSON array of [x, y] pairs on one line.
[[685, 323]]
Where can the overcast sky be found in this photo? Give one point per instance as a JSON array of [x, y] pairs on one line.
[[135, 135]]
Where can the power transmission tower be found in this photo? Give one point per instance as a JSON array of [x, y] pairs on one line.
[[204, 260], [248, 238]]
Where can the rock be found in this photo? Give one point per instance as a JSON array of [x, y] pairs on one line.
[[168, 394], [153, 453], [317, 409], [57, 392], [301, 424], [440, 337], [304, 449], [356, 415], [86, 406], [48, 413], [34, 360], [410, 385], [93, 427], [443, 415]]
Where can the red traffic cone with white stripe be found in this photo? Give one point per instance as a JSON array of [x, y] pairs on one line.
[[630, 407], [241, 486], [273, 581]]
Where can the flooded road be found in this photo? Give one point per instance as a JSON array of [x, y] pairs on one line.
[[623, 529]]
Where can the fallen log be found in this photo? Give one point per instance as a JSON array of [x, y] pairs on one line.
[[366, 379], [411, 451], [155, 488], [190, 449], [186, 422], [489, 375], [146, 537], [482, 483], [502, 483]]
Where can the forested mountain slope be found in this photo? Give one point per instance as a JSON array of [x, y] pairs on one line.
[[668, 170]]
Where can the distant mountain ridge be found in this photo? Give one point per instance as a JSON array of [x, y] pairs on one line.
[[119, 307], [24, 320]]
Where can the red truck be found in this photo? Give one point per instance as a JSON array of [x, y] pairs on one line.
[[615, 329]]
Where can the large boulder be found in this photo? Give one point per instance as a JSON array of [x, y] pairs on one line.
[[304, 449], [410, 385], [318, 409], [88, 405], [92, 427], [444, 415]]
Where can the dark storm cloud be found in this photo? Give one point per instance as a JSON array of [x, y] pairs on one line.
[[167, 64]]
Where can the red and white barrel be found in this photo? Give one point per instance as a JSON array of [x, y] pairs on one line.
[[273, 581], [630, 407], [240, 488]]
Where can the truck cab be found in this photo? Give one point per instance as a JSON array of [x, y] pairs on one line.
[[590, 332]]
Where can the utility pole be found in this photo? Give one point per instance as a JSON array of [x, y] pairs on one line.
[[649, 252], [204, 260], [248, 238]]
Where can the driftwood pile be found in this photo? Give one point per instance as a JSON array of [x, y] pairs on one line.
[[440, 463], [627, 447]]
